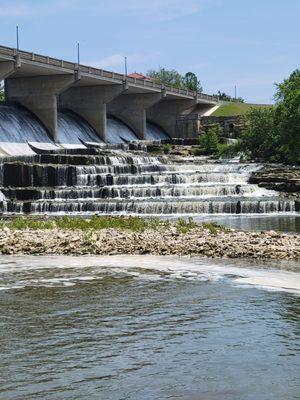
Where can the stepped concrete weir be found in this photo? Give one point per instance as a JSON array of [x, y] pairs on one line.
[[89, 181]]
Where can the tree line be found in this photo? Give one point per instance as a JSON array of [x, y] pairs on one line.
[[273, 133], [270, 134], [173, 78]]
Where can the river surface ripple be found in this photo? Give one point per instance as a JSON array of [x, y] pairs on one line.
[[146, 327]]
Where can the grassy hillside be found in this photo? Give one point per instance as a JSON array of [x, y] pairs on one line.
[[230, 108]]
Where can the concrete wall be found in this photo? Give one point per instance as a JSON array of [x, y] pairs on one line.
[[6, 69]]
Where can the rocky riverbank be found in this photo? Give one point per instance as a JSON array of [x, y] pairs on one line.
[[168, 240], [281, 178]]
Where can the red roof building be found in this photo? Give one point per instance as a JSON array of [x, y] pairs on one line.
[[136, 75]]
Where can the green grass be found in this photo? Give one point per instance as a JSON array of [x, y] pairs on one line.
[[230, 109], [135, 224], [213, 227]]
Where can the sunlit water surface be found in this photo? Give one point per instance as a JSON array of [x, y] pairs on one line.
[[144, 327]]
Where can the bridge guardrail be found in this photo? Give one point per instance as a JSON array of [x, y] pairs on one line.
[[11, 52]]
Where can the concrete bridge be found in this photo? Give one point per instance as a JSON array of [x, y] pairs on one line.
[[43, 84]]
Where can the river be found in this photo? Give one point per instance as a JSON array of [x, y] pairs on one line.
[[145, 327]]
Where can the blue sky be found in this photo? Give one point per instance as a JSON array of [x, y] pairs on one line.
[[248, 43]]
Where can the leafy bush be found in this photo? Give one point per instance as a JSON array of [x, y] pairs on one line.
[[209, 141], [226, 150]]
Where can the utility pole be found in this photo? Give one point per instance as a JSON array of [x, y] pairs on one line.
[[235, 92], [125, 60], [78, 53], [17, 33]]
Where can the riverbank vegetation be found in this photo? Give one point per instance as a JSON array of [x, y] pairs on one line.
[[132, 223], [270, 133], [212, 144], [273, 134], [173, 78]]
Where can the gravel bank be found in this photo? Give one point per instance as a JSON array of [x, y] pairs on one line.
[[162, 241]]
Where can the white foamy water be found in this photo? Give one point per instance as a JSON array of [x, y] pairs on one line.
[[19, 272]]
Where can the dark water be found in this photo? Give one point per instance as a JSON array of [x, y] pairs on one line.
[[148, 328]]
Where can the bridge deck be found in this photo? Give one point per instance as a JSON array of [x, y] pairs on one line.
[[31, 64]]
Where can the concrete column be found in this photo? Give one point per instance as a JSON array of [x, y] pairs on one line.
[[90, 103], [39, 95], [6, 69], [131, 109], [165, 114]]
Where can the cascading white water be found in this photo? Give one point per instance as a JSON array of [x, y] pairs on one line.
[[124, 183]]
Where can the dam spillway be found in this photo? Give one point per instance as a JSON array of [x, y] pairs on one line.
[[19, 127], [119, 182]]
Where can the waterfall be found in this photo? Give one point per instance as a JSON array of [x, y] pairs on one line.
[[120, 182], [118, 132], [18, 126], [154, 132], [73, 130]]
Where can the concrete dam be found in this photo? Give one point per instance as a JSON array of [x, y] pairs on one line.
[[73, 140], [74, 104]]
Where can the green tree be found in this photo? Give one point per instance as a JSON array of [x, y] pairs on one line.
[[166, 77], [225, 97], [273, 133], [209, 141], [173, 78], [287, 116], [261, 138], [191, 82]]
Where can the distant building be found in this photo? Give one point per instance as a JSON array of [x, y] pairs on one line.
[[137, 75]]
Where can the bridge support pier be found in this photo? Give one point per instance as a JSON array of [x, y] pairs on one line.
[[132, 109], [90, 103], [39, 94], [165, 114], [6, 69]]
